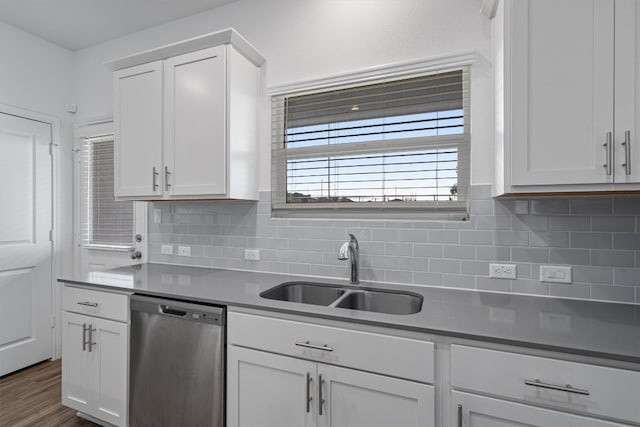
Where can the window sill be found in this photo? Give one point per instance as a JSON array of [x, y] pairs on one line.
[[114, 248]]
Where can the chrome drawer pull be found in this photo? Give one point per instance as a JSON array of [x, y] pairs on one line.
[[308, 392], [459, 415], [84, 336], [568, 388], [627, 152], [91, 342], [314, 346], [154, 179], [88, 303], [320, 398], [608, 153]]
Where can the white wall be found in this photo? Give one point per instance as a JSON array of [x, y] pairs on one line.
[[307, 39]]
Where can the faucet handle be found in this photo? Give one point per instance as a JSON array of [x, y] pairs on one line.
[[354, 241], [343, 253]]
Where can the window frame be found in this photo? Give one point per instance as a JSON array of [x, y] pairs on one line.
[[441, 209]]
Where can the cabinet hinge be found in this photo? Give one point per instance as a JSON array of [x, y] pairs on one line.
[[51, 235], [53, 322]]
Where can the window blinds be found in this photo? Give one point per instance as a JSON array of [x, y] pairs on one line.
[[104, 221], [400, 143]]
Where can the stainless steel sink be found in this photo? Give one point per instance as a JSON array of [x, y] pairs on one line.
[[304, 292], [350, 297], [381, 302]]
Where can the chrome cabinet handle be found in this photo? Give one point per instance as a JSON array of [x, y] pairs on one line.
[[308, 386], [88, 303], [166, 178], [154, 181], [84, 336], [607, 148], [91, 343], [320, 399], [627, 152], [459, 415], [568, 388], [314, 346]]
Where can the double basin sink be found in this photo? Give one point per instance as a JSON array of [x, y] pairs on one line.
[[350, 297]]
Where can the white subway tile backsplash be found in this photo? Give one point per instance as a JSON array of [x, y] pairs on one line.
[[590, 240], [582, 232], [555, 239], [612, 258], [591, 206], [613, 223]]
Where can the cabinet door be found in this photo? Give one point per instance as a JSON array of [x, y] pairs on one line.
[[627, 69], [111, 345], [352, 398], [267, 390], [78, 364], [561, 82], [469, 410], [195, 121], [137, 119]]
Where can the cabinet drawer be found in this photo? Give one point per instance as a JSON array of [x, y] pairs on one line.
[[108, 305], [380, 353], [596, 390]]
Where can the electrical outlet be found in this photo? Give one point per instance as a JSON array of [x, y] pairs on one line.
[[555, 273], [252, 254], [157, 216], [184, 250], [167, 249], [502, 271]]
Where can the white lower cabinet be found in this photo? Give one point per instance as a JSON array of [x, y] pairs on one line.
[[94, 359], [269, 390], [524, 390], [323, 385], [480, 411]]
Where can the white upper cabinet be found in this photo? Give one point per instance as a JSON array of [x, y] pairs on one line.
[[566, 95], [186, 120], [627, 92]]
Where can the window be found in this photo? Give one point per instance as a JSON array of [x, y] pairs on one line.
[[395, 144], [104, 222]]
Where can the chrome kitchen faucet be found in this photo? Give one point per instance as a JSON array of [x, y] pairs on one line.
[[351, 251]]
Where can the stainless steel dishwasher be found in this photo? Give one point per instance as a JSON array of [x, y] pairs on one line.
[[176, 363]]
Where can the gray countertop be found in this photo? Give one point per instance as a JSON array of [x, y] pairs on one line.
[[589, 328]]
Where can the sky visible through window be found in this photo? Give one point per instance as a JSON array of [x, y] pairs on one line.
[[379, 175]]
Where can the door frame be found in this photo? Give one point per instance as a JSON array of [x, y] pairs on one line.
[[56, 213]]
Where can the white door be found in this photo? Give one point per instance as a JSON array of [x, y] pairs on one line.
[[266, 390], [470, 410], [352, 398], [562, 91], [137, 116], [25, 246], [195, 118]]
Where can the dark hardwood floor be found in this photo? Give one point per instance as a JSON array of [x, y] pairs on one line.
[[31, 397]]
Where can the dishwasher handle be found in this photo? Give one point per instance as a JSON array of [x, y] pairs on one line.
[[165, 309]]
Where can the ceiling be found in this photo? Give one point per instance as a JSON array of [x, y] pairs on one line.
[[75, 24]]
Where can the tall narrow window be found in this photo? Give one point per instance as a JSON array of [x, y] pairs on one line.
[[399, 144], [104, 221]]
